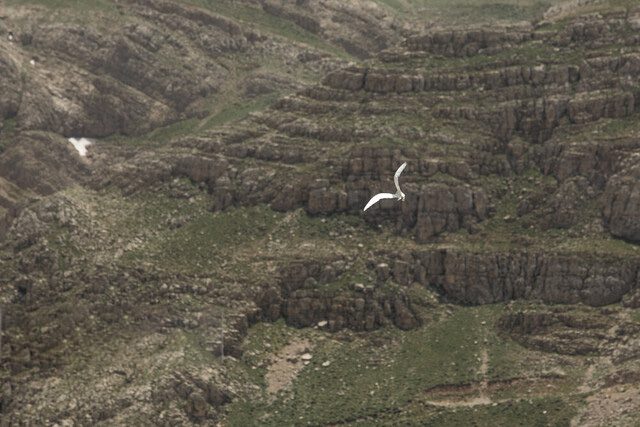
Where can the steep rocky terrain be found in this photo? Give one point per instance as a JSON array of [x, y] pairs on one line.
[[209, 262], [131, 67]]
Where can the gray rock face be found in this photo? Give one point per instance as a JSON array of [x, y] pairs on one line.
[[303, 308], [42, 163], [10, 87], [567, 200], [36, 164], [534, 330], [468, 42], [530, 131], [574, 331], [443, 208], [632, 299], [303, 301], [360, 28], [476, 278], [462, 277], [622, 204]]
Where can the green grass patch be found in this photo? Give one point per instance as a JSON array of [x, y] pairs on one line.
[[382, 377], [627, 126], [553, 411], [465, 12], [238, 110], [75, 5], [7, 133], [167, 133], [206, 239], [364, 380], [230, 111], [320, 226], [260, 19], [158, 136]]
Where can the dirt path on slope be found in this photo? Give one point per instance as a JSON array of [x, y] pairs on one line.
[[607, 403], [286, 365], [482, 387]]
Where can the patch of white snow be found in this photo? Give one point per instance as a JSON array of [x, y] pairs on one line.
[[81, 145]]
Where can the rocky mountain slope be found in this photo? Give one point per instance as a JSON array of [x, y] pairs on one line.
[[209, 261], [131, 67]]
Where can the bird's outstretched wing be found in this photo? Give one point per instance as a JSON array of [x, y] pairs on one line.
[[397, 175], [377, 198]]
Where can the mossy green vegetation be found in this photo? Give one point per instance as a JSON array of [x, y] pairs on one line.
[[262, 20], [534, 412], [387, 376], [204, 239], [77, 5], [627, 126], [228, 110], [531, 10], [465, 12], [7, 133], [238, 110]]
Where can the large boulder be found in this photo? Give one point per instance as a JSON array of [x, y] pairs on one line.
[[621, 209]]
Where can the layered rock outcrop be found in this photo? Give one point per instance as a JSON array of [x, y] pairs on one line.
[[622, 204], [310, 292], [574, 332], [484, 278]]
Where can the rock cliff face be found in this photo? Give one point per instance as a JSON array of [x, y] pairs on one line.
[[474, 278], [307, 297], [622, 202], [481, 278], [36, 164], [574, 332], [42, 163]]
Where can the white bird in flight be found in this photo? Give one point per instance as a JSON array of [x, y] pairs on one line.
[[398, 195]]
